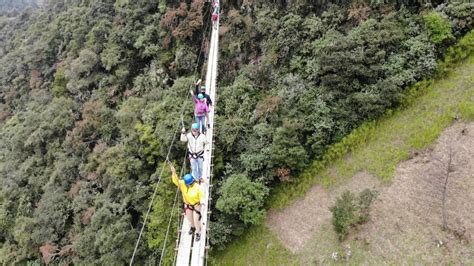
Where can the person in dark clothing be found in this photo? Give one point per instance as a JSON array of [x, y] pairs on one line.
[[198, 89]]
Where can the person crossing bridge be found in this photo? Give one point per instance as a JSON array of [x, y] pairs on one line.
[[192, 197]]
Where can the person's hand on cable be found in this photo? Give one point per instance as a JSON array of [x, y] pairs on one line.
[[173, 170]]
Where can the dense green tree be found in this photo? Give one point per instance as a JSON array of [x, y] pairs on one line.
[[81, 73], [51, 217], [161, 216], [242, 198], [461, 16]]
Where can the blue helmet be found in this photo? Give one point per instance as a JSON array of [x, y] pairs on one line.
[[200, 96], [195, 126], [188, 179]]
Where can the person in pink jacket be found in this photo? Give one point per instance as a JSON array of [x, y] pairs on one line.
[[215, 13], [201, 111]]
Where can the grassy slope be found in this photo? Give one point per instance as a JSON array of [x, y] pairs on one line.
[[388, 142]]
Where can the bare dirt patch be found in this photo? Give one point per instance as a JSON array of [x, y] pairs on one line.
[[296, 224], [406, 219]]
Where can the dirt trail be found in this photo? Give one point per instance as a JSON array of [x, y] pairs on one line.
[[407, 216]]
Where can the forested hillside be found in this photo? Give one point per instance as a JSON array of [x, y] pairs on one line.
[[91, 92]]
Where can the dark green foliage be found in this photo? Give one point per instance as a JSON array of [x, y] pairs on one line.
[[349, 211], [81, 73], [310, 82], [461, 16], [149, 144], [51, 223], [222, 232], [286, 150], [365, 72], [242, 198], [59, 83], [344, 214], [457, 53], [108, 239], [91, 94], [76, 167], [160, 218], [366, 198]]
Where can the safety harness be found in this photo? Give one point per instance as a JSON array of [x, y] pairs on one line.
[[191, 208], [195, 155]]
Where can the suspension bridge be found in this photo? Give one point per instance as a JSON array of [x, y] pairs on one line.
[[194, 252], [189, 252]]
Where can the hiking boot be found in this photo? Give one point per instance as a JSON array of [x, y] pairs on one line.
[[191, 231], [197, 237]]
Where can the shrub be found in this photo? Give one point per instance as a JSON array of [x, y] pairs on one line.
[[366, 198], [350, 211], [456, 53], [243, 198], [460, 14], [343, 214], [438, 27], [59, 83], [222, 231]]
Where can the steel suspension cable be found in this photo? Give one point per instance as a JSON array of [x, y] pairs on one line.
[[163, 250], [153, 197]]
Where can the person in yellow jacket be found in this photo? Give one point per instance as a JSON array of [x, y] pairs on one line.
[[192, 198]]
